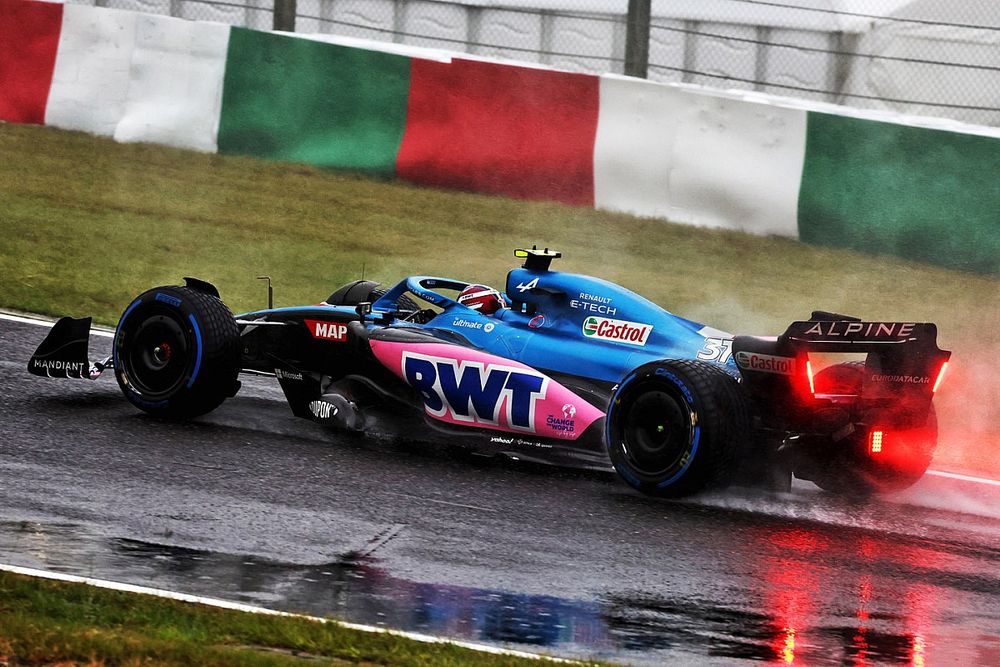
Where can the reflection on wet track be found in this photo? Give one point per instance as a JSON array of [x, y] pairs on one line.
[[902, 599]]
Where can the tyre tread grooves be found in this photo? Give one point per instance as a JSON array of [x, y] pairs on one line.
[[220, 360]]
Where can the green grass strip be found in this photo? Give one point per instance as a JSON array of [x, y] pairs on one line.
[[48, 622], [89, 223]]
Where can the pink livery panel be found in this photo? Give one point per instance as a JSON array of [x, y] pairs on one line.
[[471, 388]]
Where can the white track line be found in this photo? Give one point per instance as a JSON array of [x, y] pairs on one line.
[[236, 606], [39, 321], [964, 478]]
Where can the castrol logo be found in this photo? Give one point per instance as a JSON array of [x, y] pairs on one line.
[[620, 331], [765, 363]]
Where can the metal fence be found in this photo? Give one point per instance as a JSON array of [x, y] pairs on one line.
[[921, 57]]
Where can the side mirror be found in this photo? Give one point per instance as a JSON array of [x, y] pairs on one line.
[[363, 309]]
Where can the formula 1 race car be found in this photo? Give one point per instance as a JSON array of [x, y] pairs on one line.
[[576, 371]]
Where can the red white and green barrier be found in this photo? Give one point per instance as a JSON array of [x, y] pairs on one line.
[[732, 160]]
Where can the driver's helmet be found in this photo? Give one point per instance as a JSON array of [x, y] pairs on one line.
[[482, 298]]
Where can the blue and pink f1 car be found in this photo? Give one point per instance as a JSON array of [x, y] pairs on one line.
[[577, 371]]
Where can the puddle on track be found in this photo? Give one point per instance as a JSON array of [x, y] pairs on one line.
[[633, 629], [355, 591]]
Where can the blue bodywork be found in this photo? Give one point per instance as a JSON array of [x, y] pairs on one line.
[[545, 328]]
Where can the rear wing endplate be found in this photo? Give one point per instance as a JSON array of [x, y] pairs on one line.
[[901, 358]]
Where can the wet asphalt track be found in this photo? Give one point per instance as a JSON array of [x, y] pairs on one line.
[[254, 505]]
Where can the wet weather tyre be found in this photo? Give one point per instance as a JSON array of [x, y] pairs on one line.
[[177, 352], [675, 428], [850, 470]]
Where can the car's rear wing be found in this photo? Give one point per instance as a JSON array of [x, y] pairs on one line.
[[65, 352], [902, 361]]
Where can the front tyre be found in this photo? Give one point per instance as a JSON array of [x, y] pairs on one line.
[[176, 352], [675, 428]]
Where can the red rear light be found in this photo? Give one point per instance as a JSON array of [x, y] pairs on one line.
[[809, 373], [875, 439], [937, 383]]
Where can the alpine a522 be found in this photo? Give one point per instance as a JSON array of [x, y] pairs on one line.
[[571, 370]]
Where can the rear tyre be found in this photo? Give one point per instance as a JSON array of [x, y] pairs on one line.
[[176, 352], [675, 428], [359, 291], [852, 470], [355, 292]]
